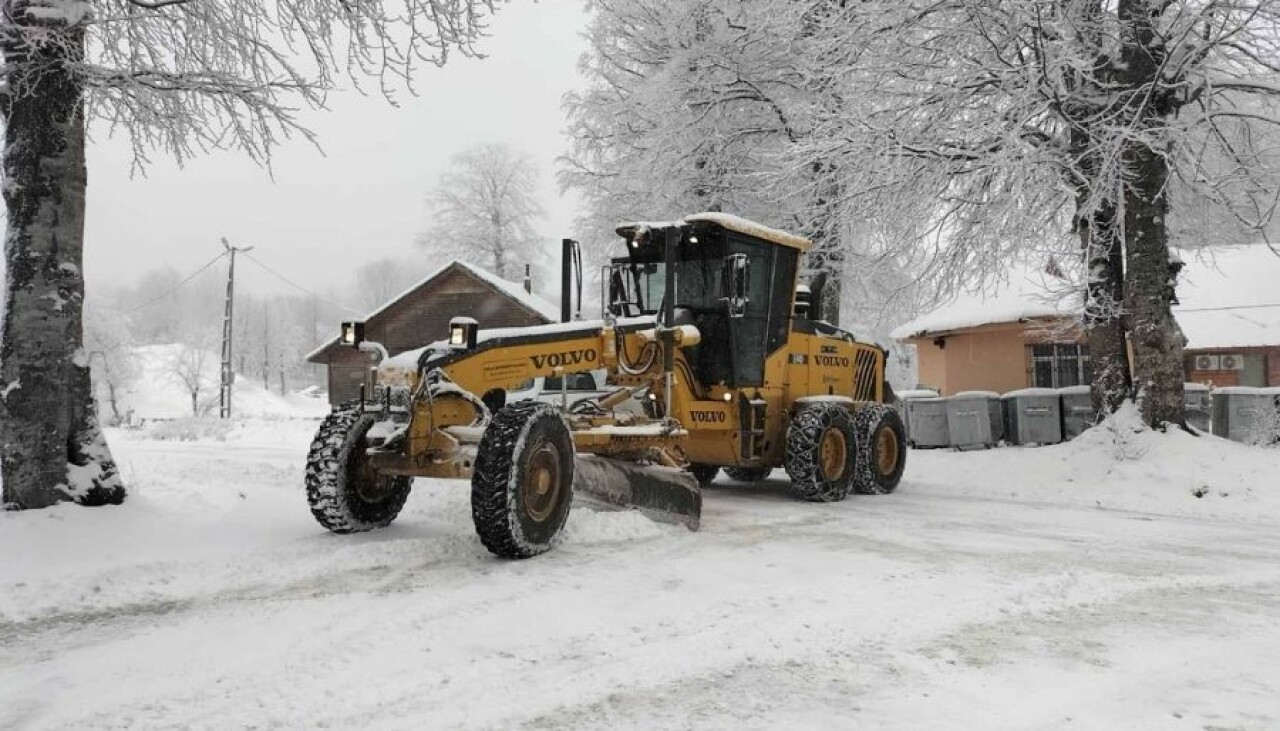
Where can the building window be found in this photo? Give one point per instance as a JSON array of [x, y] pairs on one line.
[[1054, 365]]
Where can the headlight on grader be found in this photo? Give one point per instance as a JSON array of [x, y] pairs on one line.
[[462, 333]]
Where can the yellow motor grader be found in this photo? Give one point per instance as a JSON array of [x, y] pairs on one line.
[[701, 326]]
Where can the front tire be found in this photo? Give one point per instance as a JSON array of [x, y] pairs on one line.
[[704, 473], [345, 493], [881, 455], [821, 452], [522, 486], [747, 474]]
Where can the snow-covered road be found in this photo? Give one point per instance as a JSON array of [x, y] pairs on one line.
[[213, 600]]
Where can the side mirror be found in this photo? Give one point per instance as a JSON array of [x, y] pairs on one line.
[[734, 284]]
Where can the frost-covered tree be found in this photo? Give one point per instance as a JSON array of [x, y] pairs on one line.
[[108, 341], [484, 209], [191, 367], [180, 76], [1003, 123], [711, 105]]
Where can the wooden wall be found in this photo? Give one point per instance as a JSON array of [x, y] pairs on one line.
[[423, 317]]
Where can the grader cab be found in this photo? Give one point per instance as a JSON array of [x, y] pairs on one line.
[[700, 324]]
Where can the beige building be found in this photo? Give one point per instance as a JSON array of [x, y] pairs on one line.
[[1020, 335]]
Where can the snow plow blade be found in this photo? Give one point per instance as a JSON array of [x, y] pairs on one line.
[[663, 494]]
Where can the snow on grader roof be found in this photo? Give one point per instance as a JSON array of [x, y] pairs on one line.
[[726, 221]]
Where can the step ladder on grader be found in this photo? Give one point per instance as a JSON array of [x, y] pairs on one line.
[[701, 325]]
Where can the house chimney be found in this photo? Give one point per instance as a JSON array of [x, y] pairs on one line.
[[528, 280]]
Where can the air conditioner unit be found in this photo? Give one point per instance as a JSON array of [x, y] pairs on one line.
[[1232, 362], [1207, 362]]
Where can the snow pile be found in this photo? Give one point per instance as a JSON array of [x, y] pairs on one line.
[[1119, 464], [158, 391]]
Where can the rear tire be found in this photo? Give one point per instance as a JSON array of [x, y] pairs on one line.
[[881, 454], [747, 474], [346, 495], [704, 473], [522, 485], [821, 452]]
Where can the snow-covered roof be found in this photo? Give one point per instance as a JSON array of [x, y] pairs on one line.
[[1229, 297], [730, 222], [1025, 295], [531, 302]]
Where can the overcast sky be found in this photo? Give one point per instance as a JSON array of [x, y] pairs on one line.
[[363, 198]]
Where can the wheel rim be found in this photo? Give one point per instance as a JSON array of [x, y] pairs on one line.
[[541, 490], [886, 452], [833, 453], [371, 486]]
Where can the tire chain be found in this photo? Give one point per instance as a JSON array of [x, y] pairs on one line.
[[804, 436], [865, 421], [747, 474], [493, 502], [328, 456]]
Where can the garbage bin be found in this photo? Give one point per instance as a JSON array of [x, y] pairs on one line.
[[1270, 426], [1239, 412], [901, 405], [1032, 416], [1195, 405], [1077, 410], [928, 419], [974, 419]]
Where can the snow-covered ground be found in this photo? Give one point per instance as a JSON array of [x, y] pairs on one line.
[[159, 388], [1078, 586]]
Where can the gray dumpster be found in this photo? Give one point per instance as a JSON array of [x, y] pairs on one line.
[[1077, 410], [974, 419], [1195, 405], [1239, 412], [901, 405], [928, 419], [1032, 416]]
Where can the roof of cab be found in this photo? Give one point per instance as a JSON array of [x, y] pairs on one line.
[[726, 221]]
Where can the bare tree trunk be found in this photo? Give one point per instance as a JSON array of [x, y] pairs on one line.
[[1149, 288], [51, 444], [828, 252], [1157, 339], [1104, 310]]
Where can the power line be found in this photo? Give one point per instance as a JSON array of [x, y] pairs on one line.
[[1228, 307], [299, 287], [177, 286]]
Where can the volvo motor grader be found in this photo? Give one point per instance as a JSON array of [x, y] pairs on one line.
[[700, 325]]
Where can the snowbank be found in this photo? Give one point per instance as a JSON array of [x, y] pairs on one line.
[[158, 390], [1120, 464]]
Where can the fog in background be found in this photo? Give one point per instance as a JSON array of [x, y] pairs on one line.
[[326, 213]]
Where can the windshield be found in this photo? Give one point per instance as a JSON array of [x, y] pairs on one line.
[[636, 289]]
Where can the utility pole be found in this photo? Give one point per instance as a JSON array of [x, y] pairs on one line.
[[281, 373], [228, 375]]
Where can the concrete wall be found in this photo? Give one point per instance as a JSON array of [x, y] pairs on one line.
[[987, 358]]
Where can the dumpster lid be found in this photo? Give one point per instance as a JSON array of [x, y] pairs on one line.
[[1023, 392], [1074, 390], [1238, 391], [1192, 386], [977, 394], [913, 393]]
